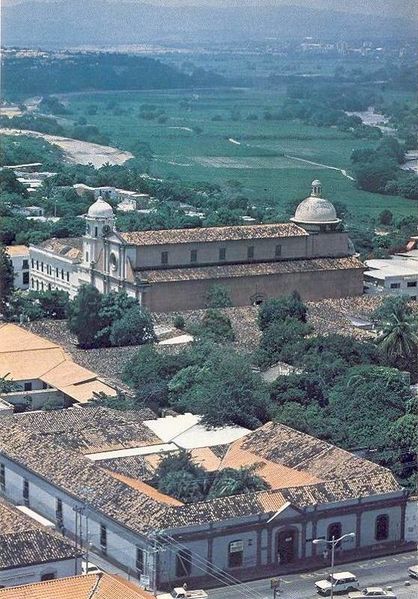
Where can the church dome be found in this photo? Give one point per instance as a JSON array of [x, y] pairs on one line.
[[100, 209], [315, 210]]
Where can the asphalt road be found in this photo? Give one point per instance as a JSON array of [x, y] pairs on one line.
[[386, 571]]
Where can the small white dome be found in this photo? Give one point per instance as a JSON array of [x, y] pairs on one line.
[[315, 210], [100, 209]]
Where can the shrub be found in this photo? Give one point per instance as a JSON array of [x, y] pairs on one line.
[[134, 328]]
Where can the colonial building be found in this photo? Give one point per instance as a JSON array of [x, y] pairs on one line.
[[19, 256], [42, 373], [174, 269], [29, 552], [101, 462]]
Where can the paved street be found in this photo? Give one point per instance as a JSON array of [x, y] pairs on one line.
[[385, 571]]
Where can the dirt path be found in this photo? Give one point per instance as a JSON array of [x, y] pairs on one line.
[[333, 168], [76, 151]]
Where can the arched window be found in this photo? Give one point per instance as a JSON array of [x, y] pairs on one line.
[[113, 261], [381, 527], [334, 530], [183, 563]]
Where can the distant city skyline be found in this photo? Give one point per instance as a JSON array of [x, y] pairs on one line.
[[395, 8]]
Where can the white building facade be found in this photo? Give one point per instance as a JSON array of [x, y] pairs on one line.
[[19, 256]]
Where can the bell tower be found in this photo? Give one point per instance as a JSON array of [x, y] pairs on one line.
[[100, 221]]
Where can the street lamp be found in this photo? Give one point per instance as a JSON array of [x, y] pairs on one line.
[[333, 543]]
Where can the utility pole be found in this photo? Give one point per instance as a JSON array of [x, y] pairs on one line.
[[333, 543]]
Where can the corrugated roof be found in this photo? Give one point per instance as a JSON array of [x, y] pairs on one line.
[[211, 234]]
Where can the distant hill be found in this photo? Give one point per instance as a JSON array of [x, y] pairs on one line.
[[75, 72], [49, 24]]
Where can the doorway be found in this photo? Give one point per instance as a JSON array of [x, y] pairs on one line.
[[286, 546]]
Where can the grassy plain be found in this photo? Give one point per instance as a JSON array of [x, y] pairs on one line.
[[221, 135]]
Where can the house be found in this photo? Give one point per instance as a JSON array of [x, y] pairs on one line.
[[396, 275], [91, 586], [173, 270], [29, 552], [103, 461], [19, 255], [43, 373]]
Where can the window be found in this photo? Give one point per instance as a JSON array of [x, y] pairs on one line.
[[33, 282], [42, 285], [411, 284], [96, 231], [56, 272], [68, 277], [37, 265], [25, 278], [113, 261], [27, 387], [49, 286], [58, 512], [62, 273], [87, 256], [183, 563], [222, 253], [25, 264], [193, 256], [278, 251], [382, 527], [2, 477], [32, 262], [103, 538], [37, 285], [164, 257], [44, 385], [395, 285], [26, 492], [42, 266], [48, 576], [235, 554], [334, 530], [139, 561], [250, 252]]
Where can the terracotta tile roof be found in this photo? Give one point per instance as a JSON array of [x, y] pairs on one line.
[[91, 429], [67, 247], [246, 270], [147, 489], [276, 475], [293, 461], [209, 234], [17, 250], [24, 355], [91, 586], [24, 542]]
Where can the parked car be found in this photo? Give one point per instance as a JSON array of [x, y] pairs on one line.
[[413, 571], [182, 593], [375, 592], [89, 568], [340, 581]]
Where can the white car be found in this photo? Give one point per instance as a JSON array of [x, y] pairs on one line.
[[375, 592], [413, 571], [340, 581], [89, 568]]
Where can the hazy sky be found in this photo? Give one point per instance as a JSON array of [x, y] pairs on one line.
[[404, 8]]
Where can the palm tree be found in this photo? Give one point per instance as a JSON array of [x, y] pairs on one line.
[[398, 338], [231, 481]]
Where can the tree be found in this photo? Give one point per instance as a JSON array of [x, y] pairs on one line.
[[215, 326], [178, 476], [113, 306], [385, 217], [398, 340], [135, 327], [6, 277], [84, 318], [218, 297], [231, 481], [282, 340], [279, 309]]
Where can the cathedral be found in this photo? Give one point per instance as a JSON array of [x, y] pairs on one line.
[[174, 269]]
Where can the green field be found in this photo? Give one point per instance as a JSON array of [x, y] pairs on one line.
[[191, 145]]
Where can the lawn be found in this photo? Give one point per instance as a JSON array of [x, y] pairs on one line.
[[214, 136]]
